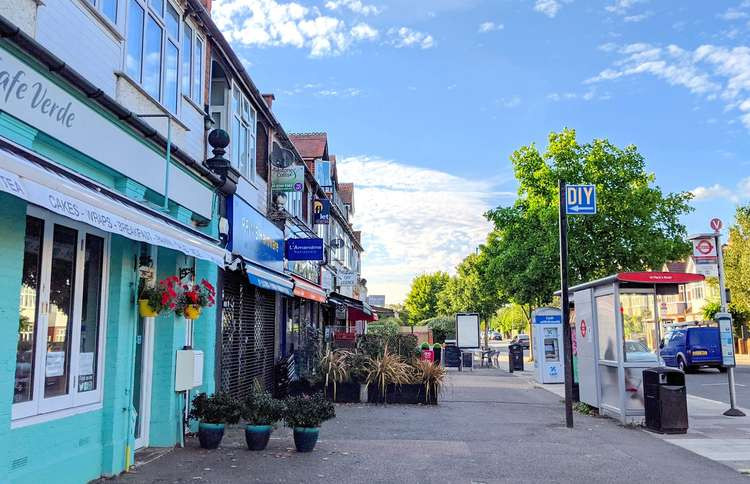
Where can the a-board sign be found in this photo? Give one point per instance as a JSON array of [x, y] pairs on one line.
[[467, 330]]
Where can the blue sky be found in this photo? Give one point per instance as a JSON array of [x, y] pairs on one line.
[[424, 101]]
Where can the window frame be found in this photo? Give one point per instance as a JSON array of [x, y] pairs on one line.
[[97, 5], [248, 124], [39, 408], [160, 18]]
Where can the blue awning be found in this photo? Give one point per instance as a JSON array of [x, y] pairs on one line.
[[268, 279]]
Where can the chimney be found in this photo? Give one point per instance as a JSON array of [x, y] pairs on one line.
[[269, 99]]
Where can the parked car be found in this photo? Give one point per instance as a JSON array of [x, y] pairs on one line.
[[496, 336], [638, 351], [692, 347], [521, 339]]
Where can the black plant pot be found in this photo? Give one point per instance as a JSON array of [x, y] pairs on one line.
[[257, 436], [402, 394], [345, 392], [210, 434], [438, 354], [305, 438]]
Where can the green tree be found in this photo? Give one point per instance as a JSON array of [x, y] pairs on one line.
[[737, 265], [637, 226], [471, 290], [510, 318], [421, 303]]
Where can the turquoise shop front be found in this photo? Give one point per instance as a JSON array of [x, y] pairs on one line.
[[84, 380]]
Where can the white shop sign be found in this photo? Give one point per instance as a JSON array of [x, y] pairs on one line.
[[34, 99], [135, 225]]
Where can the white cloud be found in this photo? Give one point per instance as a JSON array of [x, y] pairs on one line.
[[362, 31], [485, 27], [355, 6], [714, 191], [637, 18], [711, 72], [549, 7], [589, 95], [406, 37], [414, 219], [738, 12], [621, 7], [273, 23], [510, 102]]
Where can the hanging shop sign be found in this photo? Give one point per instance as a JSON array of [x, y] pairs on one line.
[[304, 249], [289, 179], [254, 237], [321, 211], [346, 277]]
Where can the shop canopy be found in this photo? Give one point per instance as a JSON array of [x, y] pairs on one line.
[[50, 186], [308, 290], [268, 279], [357, 310]]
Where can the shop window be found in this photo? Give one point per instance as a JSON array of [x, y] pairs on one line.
[[152, 50], [61, 302]]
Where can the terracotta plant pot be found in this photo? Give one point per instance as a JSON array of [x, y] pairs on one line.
[[257, 436], [210, 434], [145, 309], [305, 438], [192, 311]]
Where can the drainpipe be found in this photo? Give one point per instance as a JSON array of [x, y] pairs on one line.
[[165, 205]]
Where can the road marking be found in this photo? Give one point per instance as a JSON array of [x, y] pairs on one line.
[[722, 384]]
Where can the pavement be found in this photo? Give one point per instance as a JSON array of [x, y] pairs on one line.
[[489, 427], [712, 435]]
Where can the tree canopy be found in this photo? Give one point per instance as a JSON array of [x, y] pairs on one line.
[[737, 265], [470, 290], [422, 301], [637, 225]]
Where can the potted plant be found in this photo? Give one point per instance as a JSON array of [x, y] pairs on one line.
[[437, 348], [431, 377], [304, 414], [212, 413], [335, 372], [152, 300], [386, 371], [261, 412], [194, 297], [359, 369]]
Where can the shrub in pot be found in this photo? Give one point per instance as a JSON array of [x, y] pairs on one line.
[[437, 348], [260, 411], [304, 414], [359, 369], [431, 376], [212, 413], [386, 369], [334, 370]]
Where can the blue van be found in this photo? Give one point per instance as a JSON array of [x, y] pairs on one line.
[[692, 347]]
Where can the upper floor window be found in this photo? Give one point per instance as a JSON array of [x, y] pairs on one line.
[[242, 134], [192, 64], [108, 8], [152, 49]]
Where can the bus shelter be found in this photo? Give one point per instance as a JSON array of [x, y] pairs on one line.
[[617, 335]]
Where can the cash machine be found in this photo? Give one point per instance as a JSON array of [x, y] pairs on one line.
[[548, 345]]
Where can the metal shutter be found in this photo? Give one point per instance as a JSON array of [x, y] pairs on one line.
[[247, 336]]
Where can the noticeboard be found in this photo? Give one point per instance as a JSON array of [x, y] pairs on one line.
[[467, 330]]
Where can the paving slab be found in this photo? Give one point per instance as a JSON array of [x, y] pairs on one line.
[[488, 428]]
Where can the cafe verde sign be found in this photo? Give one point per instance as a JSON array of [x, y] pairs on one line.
[[36, 100], [254, 237]]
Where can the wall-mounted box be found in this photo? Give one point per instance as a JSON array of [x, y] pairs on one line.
[[188, 370]]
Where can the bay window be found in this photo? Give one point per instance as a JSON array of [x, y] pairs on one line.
[[242, 136], [60, 335], [152, 49]]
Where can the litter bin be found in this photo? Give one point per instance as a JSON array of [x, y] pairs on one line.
[[665, 400], [515, 357]]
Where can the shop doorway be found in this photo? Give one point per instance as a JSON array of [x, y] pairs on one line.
[[144, 356]]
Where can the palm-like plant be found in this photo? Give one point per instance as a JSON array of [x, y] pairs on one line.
[[430, 375], [388, 369], [334, 367]]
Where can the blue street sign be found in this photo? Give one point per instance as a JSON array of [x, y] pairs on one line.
[[580, 199]]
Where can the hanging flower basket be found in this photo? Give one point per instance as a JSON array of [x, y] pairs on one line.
[[192, 311], [194, 297], [146, 310]]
